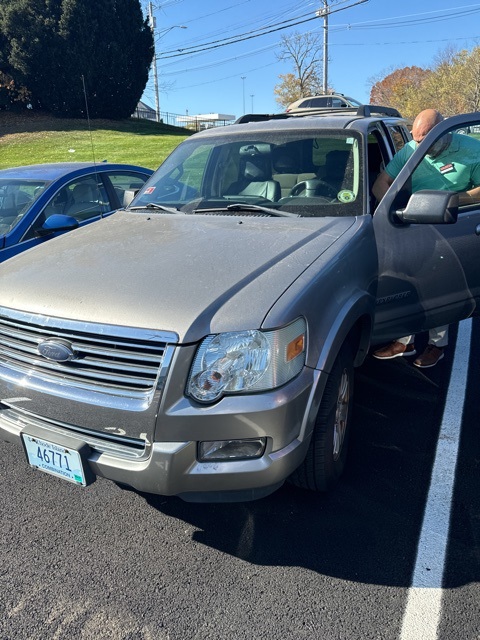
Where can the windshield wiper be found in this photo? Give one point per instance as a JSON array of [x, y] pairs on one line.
[[154, 205], [238, 206]]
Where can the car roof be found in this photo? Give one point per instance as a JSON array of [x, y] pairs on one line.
[[55, 170], [325, 95]]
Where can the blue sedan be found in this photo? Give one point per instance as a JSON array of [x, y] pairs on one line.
[[40, 201]]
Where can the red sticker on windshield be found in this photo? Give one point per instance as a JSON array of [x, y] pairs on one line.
[[149, 190]]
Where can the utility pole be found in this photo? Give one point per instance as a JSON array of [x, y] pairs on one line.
[[323, 13], [155, 74]]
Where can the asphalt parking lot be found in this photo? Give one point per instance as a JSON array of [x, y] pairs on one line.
[[106, 562]]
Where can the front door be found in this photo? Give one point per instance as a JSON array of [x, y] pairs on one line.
[[429, 274]]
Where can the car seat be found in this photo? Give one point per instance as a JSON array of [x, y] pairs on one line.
[[255, 179], [287, 174], [85, 201]]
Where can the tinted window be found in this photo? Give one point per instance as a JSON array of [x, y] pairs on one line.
[[320, 102]]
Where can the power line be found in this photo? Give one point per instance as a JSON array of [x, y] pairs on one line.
[[290, 10], [242, 37], [223, 42], [364, 25]]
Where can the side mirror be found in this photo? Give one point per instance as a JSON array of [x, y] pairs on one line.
[[430, 207], [56, 222]]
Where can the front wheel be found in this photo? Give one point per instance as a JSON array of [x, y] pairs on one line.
[[325, 460]]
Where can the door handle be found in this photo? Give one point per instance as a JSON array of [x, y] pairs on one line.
[[477, 230]]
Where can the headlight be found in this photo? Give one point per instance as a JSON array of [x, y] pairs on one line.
[[245, 361]]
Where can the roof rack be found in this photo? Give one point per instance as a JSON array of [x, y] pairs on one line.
[[260, 117], [364, 110], [369, 109]]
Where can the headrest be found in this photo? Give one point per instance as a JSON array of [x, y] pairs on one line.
[[255, 169], [283, 163], [336, 162], [83, 192]]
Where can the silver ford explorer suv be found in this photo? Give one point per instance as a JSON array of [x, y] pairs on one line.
[[202, 341]]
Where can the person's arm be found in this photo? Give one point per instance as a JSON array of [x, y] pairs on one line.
[[381, 185], [471, 196]]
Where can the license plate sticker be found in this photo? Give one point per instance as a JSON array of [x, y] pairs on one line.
[[55, 459]]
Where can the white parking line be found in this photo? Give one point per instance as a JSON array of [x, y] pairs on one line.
[[424, 604]]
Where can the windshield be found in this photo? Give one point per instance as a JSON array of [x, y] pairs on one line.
[[16, 197], [353, 102], [309, 174]]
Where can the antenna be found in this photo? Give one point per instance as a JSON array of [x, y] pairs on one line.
[[88, 119]]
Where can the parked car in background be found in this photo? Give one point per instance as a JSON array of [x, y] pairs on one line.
[[40, 201], [475, 130], [331, 101]]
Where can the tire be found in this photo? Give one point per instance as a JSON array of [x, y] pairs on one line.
[[325, 460]]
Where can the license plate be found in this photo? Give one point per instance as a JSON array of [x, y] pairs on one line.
[[55, 459]]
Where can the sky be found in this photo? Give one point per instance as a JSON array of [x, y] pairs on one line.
[[366, 41]]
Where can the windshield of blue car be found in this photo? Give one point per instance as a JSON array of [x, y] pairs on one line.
[[16, 197], [306, 173]]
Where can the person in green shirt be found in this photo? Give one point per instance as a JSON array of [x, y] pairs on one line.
[[451, 164]]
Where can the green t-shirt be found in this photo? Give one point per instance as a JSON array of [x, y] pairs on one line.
[[457, 168]]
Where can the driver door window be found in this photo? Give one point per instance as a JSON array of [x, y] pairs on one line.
[[82, 199]]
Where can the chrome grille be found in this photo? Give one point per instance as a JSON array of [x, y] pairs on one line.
[[108, 358]]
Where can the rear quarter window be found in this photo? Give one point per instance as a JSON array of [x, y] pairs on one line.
[[399, 137]]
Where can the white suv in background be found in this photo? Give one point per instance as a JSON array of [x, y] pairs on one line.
[[330, 101]]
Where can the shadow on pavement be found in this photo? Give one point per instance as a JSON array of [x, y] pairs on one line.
[[367, 529]]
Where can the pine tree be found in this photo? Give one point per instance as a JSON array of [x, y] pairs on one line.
[[56, 48]]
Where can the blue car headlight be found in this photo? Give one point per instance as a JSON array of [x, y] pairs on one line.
[[247, 361]]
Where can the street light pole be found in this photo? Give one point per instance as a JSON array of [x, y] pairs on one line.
[[152, 21], [155, 74], [243, 91]]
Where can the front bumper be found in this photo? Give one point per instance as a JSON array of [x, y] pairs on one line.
[[284, 417]]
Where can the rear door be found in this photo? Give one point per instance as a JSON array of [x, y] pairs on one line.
[[429, 274]]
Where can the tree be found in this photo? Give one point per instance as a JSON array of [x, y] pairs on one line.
[[466, 76], [56, 47], [11, 95], [401, 89], [304, 52], [451, 85]]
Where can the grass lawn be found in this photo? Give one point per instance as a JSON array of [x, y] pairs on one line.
[[31, 138]]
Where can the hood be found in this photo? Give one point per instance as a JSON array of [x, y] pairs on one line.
[[189, 274]]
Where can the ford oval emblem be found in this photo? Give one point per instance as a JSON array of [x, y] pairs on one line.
[[56, 350]]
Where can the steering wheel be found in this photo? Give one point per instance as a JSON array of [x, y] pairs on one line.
[[312, 188]]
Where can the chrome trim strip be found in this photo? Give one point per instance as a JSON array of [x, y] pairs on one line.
[[131, 448], [105, 396], [110, 330]]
